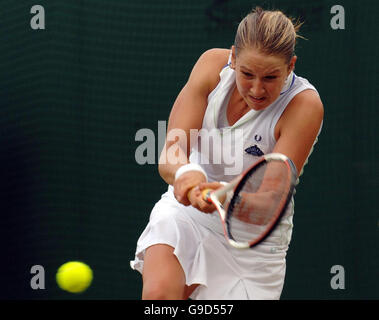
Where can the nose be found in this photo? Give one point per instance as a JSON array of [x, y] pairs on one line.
[[257, 88]]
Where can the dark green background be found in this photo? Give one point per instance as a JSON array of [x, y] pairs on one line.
[[73, 96]]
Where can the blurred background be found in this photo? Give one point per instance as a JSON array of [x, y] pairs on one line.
[[73, 96]]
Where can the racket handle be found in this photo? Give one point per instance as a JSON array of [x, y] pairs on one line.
[[206, 195]]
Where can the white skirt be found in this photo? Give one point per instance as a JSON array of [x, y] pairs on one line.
[[207, 259]]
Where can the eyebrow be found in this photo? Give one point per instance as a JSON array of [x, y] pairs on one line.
[[273, 71]]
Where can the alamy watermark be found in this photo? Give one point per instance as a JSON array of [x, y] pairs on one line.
[[37, 282], [37, 22], [216, 147], [338, 279], [337, 21]]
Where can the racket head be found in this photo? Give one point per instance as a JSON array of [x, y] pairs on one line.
[[260, 199]]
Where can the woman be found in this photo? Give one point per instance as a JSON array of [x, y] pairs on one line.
[[250, 89]]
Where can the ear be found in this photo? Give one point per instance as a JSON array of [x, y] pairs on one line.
[[233, 62], [291, 65]]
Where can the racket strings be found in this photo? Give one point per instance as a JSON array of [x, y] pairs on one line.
[[258, 201]]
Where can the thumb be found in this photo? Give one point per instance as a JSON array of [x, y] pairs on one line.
[[209, 185]]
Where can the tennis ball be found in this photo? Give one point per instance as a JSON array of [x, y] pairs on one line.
[[74, 276]]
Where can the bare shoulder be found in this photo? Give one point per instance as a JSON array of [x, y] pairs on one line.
[[310, 98], [306, 106], [305, 112], [208, 67], [216, 56], [299, 126]]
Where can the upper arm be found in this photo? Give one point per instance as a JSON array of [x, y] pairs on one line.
[[189, 108], [299, 126]]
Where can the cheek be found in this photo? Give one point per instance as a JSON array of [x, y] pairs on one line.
[[274, 88], [243, 85]]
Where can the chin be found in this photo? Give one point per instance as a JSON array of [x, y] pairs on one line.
[[258, 106]]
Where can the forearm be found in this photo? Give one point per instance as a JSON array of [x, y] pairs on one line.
[[171, 159], [259, 203]]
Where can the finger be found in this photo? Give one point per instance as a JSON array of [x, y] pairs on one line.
[[197, 201], [209, 185], [181, 195], [192, 194], [204, 207], [207, 208]]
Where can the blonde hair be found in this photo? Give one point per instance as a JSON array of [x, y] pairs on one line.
[[271, 32]]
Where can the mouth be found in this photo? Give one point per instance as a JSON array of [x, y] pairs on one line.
[[257, 99]]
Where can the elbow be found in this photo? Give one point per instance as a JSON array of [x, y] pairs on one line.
[[164, 171], [161, 170]]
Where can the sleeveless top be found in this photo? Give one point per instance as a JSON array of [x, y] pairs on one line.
[[225, 151]]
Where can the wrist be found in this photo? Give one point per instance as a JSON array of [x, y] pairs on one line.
[[190, 167]]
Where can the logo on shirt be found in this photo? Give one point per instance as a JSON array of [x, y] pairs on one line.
[[254, 150], [258, 138]]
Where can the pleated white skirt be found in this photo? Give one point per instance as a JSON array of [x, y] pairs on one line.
[[207, 259]]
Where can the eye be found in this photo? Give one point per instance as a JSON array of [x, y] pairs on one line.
[[247, 74], [271, 77]]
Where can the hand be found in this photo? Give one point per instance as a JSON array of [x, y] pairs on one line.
[[212, 186], [196, 196], [185, 183]]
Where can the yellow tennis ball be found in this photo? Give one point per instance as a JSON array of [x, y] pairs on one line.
[[74, 276]]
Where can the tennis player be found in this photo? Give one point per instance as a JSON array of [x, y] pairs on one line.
[[250, 89]]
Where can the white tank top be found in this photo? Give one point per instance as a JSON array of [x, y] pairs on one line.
[[225, 151]]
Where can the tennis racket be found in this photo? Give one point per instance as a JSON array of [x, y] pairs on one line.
[[258, 199]]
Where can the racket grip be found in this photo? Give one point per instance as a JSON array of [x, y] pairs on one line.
[[206, 195]]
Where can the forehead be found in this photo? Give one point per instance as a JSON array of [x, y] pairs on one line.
[[259, 62]]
